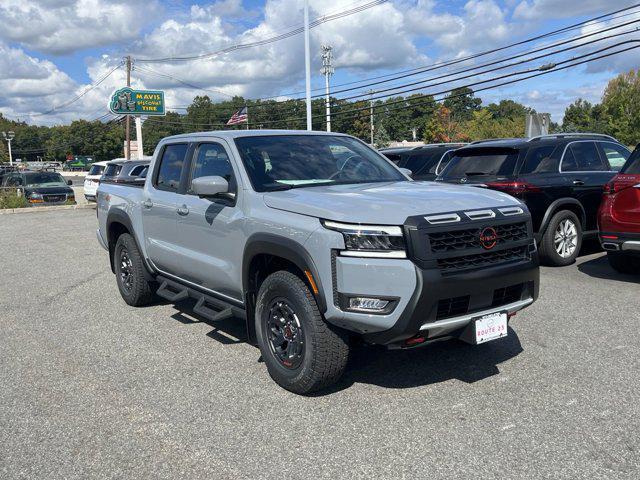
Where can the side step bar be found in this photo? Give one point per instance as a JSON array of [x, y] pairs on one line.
[[213, 309]]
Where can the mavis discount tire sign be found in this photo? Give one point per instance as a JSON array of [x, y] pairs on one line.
[[127, 101]]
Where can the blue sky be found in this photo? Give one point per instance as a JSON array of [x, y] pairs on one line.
[[51, 50]]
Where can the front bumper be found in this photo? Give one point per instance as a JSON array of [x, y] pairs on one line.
[[442, 306]]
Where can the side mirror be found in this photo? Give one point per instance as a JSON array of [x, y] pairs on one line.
[[209, 186], [407, 172], [69, 182]]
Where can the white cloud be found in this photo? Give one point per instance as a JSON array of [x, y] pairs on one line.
[[545, 9], [65, 26]]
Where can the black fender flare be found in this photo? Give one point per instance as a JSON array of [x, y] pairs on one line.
[[117, 215], [557, 205], [267, 243]]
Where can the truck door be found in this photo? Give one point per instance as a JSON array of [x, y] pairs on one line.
[[211, 229], [158, 208]]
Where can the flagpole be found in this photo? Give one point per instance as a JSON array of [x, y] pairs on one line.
[[247, 107]]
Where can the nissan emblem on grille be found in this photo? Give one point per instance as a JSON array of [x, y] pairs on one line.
[[488, 238]]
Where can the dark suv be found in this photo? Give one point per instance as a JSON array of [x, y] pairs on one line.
[[425, 162], [559, 177]]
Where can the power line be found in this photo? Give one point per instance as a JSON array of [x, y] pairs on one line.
[[446, 63], [266, 41], [166, 75], [78, 97], [429, 98]]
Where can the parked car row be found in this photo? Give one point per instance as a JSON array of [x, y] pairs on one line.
[[561, 179], [119, 170]]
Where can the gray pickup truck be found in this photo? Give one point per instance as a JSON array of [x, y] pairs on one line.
[[313, 239]]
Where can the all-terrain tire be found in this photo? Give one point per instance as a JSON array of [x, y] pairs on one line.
[[135, 289], [624, 263], [324, 349], [549, 254]]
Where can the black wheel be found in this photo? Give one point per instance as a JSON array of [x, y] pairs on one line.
[[301, 351], [562, 240], [624, 263], [135, 289]]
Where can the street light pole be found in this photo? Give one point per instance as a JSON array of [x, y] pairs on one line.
[[307, 63], [371, 115], [327, 70], [127, 133], [8, 136]]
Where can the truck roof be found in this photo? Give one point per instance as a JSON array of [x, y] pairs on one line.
[[231, 134]]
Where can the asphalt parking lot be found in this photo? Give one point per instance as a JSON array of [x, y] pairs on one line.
[[92, 388]]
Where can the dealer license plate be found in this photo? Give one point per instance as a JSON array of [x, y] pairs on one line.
[[491, 326]]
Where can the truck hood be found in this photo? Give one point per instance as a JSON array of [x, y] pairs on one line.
[[384, 203]]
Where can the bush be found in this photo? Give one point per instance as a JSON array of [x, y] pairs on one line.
[[11, 199]]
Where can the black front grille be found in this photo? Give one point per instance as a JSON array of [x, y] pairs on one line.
[[457, 240], [506, 295], [451, 307], [466, 262]]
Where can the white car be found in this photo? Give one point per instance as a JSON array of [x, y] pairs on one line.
[[92, 180]]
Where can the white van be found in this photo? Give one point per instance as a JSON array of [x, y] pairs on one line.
[[92, 180]]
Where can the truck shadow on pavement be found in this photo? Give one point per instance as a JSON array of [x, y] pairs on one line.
[[430, 364], [600, 268]]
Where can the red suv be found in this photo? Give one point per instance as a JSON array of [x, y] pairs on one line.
[[619, 217]]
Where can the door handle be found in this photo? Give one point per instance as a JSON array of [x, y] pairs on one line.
[[183, 210], [578, 182], [147, 204]]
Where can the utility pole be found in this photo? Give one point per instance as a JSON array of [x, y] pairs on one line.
[[307, 63], [371, 115], [127, 131], [8, 136], [327, 70]]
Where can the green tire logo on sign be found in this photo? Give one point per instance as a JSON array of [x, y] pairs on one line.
[[127, 101]]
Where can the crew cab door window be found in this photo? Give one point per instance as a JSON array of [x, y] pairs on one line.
[[211, 159], [616, 155], [170, 169], [582, 157]]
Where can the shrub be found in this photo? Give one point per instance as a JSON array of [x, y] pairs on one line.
[[11, 199]]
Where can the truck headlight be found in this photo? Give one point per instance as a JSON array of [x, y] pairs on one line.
[[370, 240], [35, 196]]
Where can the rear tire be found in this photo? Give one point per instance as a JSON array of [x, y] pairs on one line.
[[562, 240], [302, 352], [135, 289], [624, 263]]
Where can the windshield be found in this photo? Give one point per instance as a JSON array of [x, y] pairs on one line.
[[288, 161], [96, 170], [44, 179], [481, 163]]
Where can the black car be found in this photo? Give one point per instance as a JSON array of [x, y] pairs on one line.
[[425, 162], [559, 177], [41, 188]]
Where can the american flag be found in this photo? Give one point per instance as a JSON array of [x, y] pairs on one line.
[[240, 116]]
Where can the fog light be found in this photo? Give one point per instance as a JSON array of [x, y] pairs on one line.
[[366, 304]]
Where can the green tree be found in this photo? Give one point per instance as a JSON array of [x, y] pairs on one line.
[[442, 128], [621, 107], [461, 102]]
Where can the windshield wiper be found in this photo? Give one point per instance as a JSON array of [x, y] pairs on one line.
[[475, 174], [278, 187]]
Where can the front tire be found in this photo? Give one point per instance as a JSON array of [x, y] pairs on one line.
[[301, 351], [623, 263], [562, 240], [135, 289]]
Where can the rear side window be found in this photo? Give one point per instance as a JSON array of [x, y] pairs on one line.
[[394, 157], [112, 170], [135, 171], [423, 162], [482, 162], [540, 160], [582, 157], [616, 155], [442, 164], [632, 167], [170, 169], [96, 170]]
